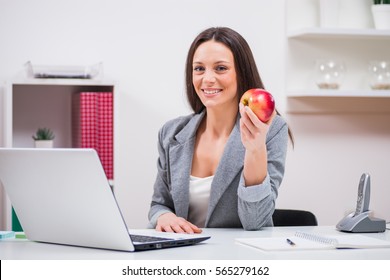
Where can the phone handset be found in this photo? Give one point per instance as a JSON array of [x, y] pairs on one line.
[[363, 198], [361, 220]]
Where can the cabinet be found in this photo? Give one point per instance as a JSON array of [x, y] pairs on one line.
[[355, 48], [33, 103]]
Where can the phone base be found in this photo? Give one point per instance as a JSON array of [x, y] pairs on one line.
[[361, 223]]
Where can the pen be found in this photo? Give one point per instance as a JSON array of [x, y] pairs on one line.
[[290, 242]]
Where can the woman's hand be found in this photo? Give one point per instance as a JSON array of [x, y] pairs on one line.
[[253, 131], [169, 222], [253, 137]]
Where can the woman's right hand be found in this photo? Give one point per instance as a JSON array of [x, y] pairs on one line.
[[169, 222]]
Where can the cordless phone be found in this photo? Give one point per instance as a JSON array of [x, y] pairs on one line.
[[360, 220], [363, 198]]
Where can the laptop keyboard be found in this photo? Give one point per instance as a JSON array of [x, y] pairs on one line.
[[145, 238]]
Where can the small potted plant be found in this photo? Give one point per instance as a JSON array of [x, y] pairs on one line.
[[43, 138], [381, 14]]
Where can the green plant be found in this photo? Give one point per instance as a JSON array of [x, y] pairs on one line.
[[379, 2], [43, 134]]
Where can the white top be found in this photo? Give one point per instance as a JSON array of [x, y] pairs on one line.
[[199, 199]]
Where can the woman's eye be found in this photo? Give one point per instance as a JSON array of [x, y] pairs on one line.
[[198, 68], [221, 68]]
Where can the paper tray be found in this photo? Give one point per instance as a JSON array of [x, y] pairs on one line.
[[63, 71]]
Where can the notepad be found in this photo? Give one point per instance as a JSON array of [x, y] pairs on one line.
[[7, 234], [309, 241]]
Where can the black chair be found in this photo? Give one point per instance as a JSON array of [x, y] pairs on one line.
[[290, 217]]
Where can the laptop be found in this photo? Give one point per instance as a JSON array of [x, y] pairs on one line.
[[62, 196]]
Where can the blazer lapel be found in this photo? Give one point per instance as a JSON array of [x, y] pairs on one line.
[[180, 160], [233, 162]]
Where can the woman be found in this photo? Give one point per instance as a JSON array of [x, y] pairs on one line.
[[220, 166]]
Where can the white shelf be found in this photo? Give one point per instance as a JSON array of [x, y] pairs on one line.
[[33, 103], [340, 93], [356, 46], [338, 33], [59, 82]]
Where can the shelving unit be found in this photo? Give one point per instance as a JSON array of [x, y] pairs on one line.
[[316, 32], [340, 93], [355, 47], [32, 103]]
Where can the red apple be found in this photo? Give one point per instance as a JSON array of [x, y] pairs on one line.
[[260, 101]]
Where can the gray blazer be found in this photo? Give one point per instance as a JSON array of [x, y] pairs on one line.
[[231, 204]]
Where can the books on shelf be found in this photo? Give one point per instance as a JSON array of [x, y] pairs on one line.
[[310, 241], [93, 126]]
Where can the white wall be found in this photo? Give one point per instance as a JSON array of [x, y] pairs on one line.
[[143, 46]]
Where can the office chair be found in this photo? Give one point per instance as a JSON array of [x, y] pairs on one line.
[[290, 217]]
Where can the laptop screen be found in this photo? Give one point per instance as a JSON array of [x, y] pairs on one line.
[[63, 196]]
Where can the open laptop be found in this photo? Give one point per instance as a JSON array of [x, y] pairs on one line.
[[62, 196]]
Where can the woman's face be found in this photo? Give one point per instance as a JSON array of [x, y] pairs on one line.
[[214, 75]]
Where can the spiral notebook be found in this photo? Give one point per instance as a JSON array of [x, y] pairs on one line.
[[309, 241]]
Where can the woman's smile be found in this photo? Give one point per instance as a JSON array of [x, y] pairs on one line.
[[211, 92]]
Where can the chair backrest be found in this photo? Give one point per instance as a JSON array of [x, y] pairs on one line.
[[291, 217]]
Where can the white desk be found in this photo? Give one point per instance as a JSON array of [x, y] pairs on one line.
[[221, 246]]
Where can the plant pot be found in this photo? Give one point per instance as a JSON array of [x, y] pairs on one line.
[[43, 143], [355, 14], [381, 15], [329, 13]]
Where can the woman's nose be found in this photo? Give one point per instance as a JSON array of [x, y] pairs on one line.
[[209, 76]]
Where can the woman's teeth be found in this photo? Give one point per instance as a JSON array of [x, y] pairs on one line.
[[211, 91]]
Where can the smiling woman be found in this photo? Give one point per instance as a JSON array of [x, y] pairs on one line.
[[222, 156]]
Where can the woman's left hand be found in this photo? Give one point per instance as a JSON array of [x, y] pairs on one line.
[[253, 130], [253, 137]]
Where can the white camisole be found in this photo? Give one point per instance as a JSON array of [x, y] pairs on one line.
[[199, 199]]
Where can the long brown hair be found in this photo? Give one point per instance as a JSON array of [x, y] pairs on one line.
[[246, 70]]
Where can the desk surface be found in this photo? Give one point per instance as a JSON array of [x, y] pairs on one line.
[[221, 246]]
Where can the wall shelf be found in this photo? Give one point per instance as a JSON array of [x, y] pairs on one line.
[[340, 93], [355, 47], [71, 82], [337, 33], [34, 103]]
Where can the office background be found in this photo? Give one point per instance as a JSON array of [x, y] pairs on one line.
[[143, 46]]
